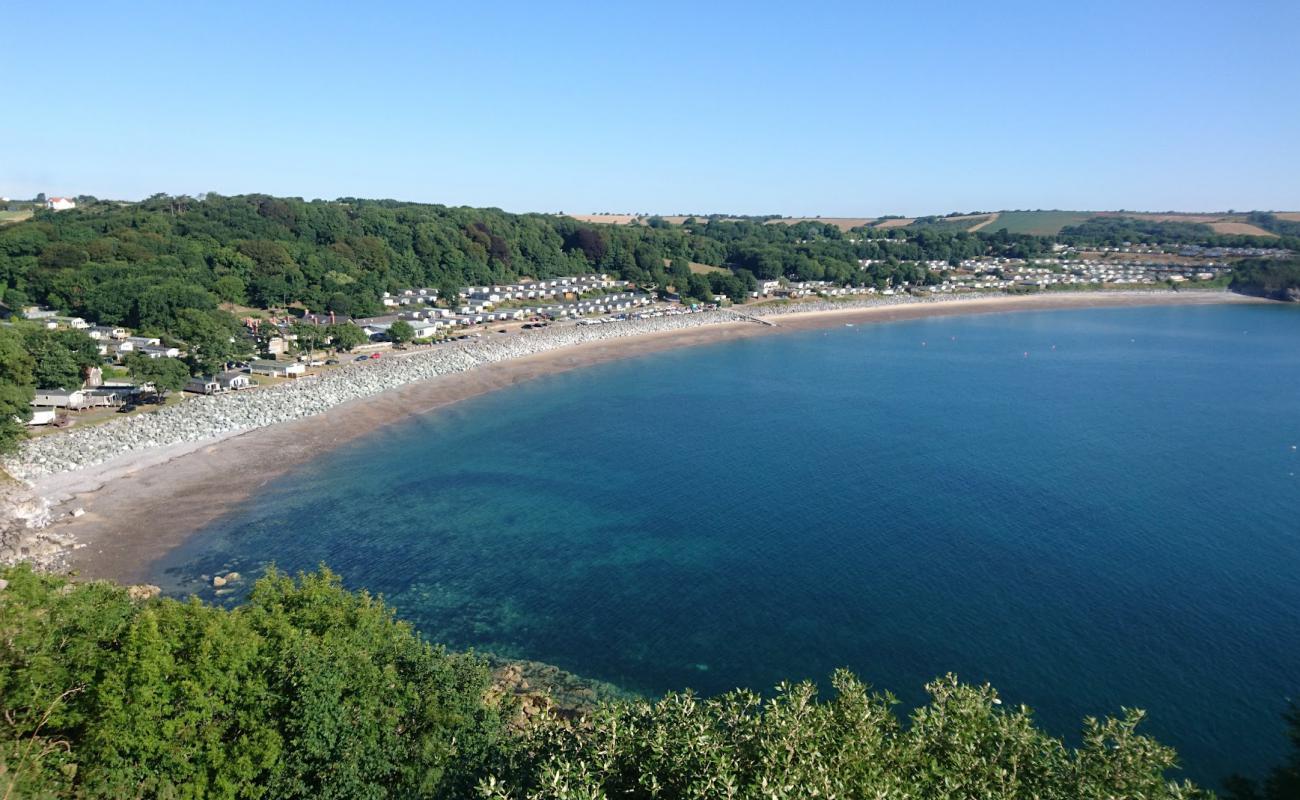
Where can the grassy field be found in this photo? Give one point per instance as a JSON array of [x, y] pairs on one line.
[[1037, 223], [966, 222], [14, 216]]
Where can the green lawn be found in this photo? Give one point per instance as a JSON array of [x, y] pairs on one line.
[[1038, 223], [14, 216]]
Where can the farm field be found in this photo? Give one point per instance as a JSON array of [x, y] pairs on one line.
[[14, 216], [1038, 223], [1239, 229]]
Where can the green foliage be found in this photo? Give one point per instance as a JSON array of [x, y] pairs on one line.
[[212, 339], [1278, 278], [960, 745], [17, 386], [306, 691], [346, 337], [166, 374], [61, 356], [401, 332]]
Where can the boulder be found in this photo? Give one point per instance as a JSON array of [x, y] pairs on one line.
[[143, 591]]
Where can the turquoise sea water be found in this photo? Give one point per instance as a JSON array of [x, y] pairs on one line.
[[1089, 509]]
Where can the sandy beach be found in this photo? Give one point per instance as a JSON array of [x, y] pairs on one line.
[[140, 505]]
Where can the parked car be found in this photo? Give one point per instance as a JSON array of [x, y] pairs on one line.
[[361, 358], [127, 408], [376, 355], [331, 361]]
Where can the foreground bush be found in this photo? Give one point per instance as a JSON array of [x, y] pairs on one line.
[[960, 745], [308, 690]]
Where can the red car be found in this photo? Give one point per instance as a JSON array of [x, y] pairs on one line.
[[375, 355]]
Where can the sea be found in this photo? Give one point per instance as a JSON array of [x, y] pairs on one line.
[[1089, 509]]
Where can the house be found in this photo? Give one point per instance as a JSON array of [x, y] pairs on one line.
[[60, 203], [424, 330], [71, 322], [234, 380], [159, 351], [113, 394], [277, 369], [61, 398], [107, 332], [42, 416], [38, 312], [277, 345], [763, 288], [230, 381]]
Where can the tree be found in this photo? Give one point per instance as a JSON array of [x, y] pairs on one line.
[[166, 374], [306, 691], [17, 387], [401, 332], [346, 336], [230, 289], [696, 288], [309, 336], [212, 339], [61, 357]]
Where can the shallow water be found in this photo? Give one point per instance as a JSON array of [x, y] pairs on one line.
[[1089, 509]]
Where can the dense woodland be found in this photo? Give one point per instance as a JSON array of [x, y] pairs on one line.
[[308, 690]]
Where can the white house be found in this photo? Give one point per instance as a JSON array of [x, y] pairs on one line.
[[60, 398], [107, 332], [159, 351], [42, 416], [424, 330], [231, 381], [60, 203], [278, 369]]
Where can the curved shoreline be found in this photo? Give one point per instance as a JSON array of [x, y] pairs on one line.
[[140, 505]]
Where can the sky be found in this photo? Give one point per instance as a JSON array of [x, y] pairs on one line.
[[832, 109]]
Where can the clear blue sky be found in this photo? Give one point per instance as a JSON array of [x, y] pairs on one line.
[[851, 108]]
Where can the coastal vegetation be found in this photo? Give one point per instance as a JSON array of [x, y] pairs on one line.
[[309, 690], [1277, 278]]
